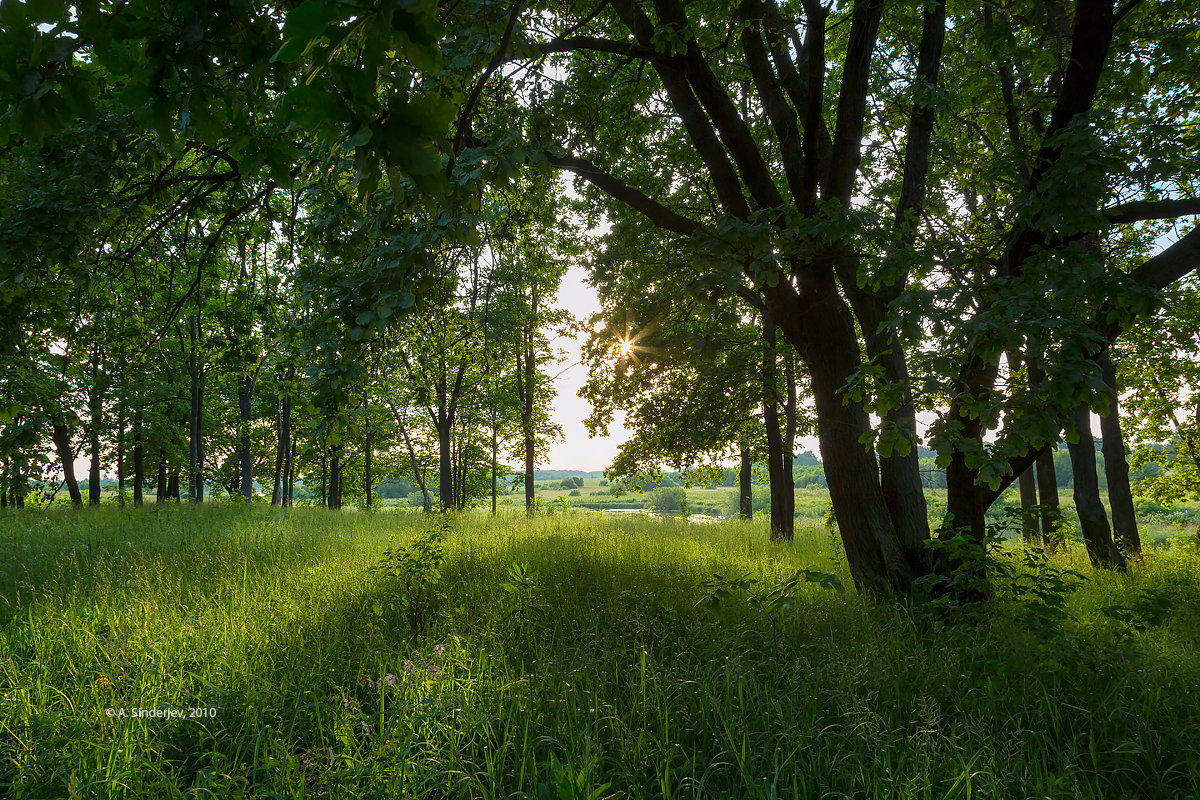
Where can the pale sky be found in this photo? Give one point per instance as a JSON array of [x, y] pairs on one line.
[[577, 450]]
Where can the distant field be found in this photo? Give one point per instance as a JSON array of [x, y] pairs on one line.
[[566, 657]]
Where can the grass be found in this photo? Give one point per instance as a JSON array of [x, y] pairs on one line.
[[593, 674]]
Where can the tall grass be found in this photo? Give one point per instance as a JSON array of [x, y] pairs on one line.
[[595, 675]]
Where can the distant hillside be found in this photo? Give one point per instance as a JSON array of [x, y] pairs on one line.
[[559, 474]]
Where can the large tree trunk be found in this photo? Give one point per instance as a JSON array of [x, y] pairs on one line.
[[745, 484], [781, 529], [139, 460], [1116, 467], [173, 485], [1093, 520], [819, 325], [245, 400], [62, 443]]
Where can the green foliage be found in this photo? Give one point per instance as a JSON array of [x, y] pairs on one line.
[[414, 572]]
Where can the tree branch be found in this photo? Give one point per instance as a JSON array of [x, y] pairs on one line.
[[1142, 210], [648, 207]]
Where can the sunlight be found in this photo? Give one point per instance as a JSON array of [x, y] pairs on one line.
[[626, 347]]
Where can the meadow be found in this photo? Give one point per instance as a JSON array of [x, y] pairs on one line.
[[568, 656]]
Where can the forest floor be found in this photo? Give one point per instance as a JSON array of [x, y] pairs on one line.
[[568, 656]]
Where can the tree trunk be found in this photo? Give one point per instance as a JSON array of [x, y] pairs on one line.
[[495, 459], [96, 412], [368, 487], [62, 443], [1047, 483], [335, 478], [121, 459], [1030, 534], [196, 415], [289, 464], [324, 477], [280, 447], [139, 464], [780, 529], [445, 467], [1093, 521], [745, 485], [173, 485], [1116, 467], [818, 324], [245, 399], [160, 484]]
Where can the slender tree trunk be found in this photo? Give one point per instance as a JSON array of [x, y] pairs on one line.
[[770, 379], [62, 443], [1093, 521], [1030, 533], [139, 463], [160, 484], [1116, 467], [445, 467], [196, 415], [335, 478], [245, 400], [368, 486], [324, 478], [1047, 483], [745, 484], [96, 411], [173, 485], [280, 446], [121, 459], [289, 464], [495, 459]]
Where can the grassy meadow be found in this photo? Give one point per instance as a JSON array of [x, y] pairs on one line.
[[566, 657]]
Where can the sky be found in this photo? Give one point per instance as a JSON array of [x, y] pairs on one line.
[[576, 450]]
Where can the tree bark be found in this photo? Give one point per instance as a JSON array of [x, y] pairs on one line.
[[173, 485], [745, 482], [121, 459], [495, 464], [245, 400], [368, 486], [1047, 483], [62, 443], [1093, 520], [1116, 467], [1030, 534], [196, 413], [160, 483], [445, 467], [96, 412], [335, 478], [781, 529], [139, 465], [819, 325]]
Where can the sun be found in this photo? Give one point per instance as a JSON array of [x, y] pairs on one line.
[[626, 347]]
